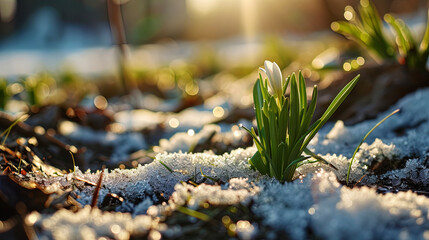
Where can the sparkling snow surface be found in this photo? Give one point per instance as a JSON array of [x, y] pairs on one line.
[[316, 205]]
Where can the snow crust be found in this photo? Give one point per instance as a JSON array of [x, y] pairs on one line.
[[333, 211], [90, 223], [316, 205]]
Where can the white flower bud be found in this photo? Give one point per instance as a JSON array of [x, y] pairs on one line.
[[275, 78]]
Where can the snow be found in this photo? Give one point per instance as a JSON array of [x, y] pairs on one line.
[[188, 195], [333, 211], [90, 223], [315, 205], [185, 141], [122, 145], [403, 130]]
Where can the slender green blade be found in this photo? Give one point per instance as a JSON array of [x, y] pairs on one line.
[[255, 138], [292, 166], [402, 41], [318, 158], [333, 107], [258, 101], [311, 108], [363, 139], [193, 213], [283, 120], [302, 94], [257, 163], [286, 85], [162, 163], [294, 122]]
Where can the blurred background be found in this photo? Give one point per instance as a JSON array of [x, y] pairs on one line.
[[56, 35], [114, 78]]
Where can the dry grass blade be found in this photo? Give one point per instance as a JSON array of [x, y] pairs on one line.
[[97, 189]]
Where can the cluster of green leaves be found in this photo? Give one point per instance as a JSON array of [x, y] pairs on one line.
[[284, 125], [367, 30], [415, 57]]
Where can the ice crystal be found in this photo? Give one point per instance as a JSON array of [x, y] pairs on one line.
[[239, 190], [90, 223], [333, 211]]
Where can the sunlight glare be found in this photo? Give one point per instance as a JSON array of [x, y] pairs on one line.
[[202, 7]]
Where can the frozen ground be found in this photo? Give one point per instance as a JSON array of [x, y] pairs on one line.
[[316, 204]]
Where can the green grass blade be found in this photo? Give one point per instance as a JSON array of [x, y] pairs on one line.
[[258, 163], [286, 85], [283, 120], [407, 34], [333, 107], [296, 161], [273, 126], [302, 94], [208, 177], [165, 165], [74, 164], [193, 213], [9, 129], [252, 134], [260, 147], [294, 122], [258, 101], [318, 158], [363, 139], [401, 41], [310, 111]]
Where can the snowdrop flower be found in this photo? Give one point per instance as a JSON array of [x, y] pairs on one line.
[[275, 78]]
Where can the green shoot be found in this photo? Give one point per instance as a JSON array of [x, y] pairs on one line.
[[208, 177], [318, 158], [367, 30], [9, 129], [193, 213], [165, 165], [284, 123], [74, 164], [363, 139]]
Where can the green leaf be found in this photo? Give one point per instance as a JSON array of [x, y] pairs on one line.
[[284, 121], [302, 94], [255, 138], [257, 162], [318, 158], [367, 31], [403, 45], [272, 118], [258, 101], [286, 84], [267, 135], [333, 107], [293, 164], [310, 111], [282, 158], [294, 122]]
